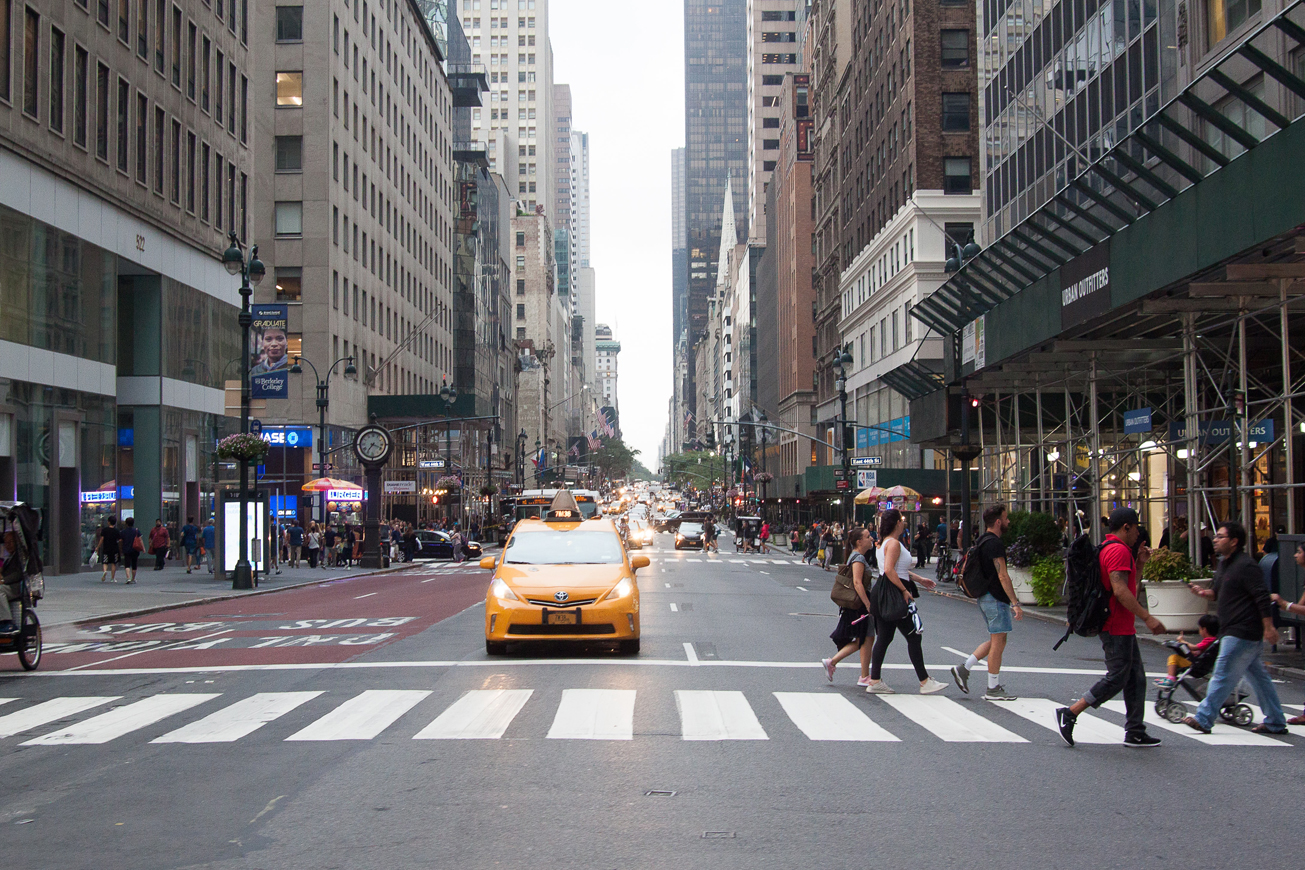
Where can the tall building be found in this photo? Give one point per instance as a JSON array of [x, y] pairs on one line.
[[560, 135], [580, 206], [608, 349], [715, 136], [126, 158], [510, 37], [772, 52]]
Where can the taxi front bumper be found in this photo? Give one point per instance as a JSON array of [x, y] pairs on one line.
[[507, 620]]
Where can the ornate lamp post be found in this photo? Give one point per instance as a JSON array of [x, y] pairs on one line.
[[843, 360], [323, 401]]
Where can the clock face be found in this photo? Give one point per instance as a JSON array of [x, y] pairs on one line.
[[373, 444]]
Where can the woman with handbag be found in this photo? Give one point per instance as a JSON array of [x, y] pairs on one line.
[[854, 622], [893, 604]]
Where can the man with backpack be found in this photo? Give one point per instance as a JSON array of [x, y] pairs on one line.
[[992, 586], [1119, 569]]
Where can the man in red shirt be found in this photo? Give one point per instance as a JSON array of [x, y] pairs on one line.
[[1124, 671]]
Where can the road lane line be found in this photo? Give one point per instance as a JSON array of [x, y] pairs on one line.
[[675, 608], [949, 720], [368, 595], [822, 716], [481, 714], [1223, 735], [738, 561], [690, 654], [954, 651], [363, 716], [803, 588], [153, 649], [716, 715], [123, 720], [47, 712], [1042, 711], [239, 720], [594, 714], [777, 561]]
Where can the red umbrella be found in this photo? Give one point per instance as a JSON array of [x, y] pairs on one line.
[[322, 484]]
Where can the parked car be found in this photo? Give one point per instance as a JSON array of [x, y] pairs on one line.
[[438, 545]]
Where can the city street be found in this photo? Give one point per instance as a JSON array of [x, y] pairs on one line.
[[358, 723]]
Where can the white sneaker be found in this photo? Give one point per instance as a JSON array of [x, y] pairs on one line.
[[929, 686], [879, 687]]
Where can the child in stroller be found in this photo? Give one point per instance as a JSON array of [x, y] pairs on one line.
[[1194, 680], [1208, 628]]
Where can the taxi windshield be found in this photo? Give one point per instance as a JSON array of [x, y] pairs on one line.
[[564, 548]]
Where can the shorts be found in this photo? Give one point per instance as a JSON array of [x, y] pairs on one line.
[[109, 558], [997, 613], [192, 549], [1177, 661]]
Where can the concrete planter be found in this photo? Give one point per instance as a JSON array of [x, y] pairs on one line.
[[1175, 606], [1022, 580]]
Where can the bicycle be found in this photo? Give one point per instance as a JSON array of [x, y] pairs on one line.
[[946, 563], [23, 523]]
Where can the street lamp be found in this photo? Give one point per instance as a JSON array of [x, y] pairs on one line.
[[961, 255], [249, 270], [521, 458], [323, 400], [841, 362], [537, 446], [763, 421], [449, 396]]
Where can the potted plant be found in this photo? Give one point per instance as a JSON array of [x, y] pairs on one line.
[[242, 447], [1031, 536], [1167, 575], [1048, 580]]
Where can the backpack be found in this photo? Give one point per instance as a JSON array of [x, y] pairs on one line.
[[970, 573], [1089, 599]]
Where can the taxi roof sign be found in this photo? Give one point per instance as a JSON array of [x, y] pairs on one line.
[[564, 508]]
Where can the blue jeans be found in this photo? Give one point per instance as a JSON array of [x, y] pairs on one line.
[[1238, 658], [996, 613]]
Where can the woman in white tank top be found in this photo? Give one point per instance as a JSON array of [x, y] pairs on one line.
[[896, 564]]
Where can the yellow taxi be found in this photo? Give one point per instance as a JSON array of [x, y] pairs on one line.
[[563, 578]]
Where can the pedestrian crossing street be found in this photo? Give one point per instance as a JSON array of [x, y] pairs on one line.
[[581, 714]]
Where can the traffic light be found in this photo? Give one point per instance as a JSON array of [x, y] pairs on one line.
[[711, 438], [849, 437]]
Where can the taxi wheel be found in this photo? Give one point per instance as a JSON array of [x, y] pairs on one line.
[[630, 647], [495, 648]]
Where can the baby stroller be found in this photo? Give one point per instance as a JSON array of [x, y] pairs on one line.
[[1194, 681], [20, 569]]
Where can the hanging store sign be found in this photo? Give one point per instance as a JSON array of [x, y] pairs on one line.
[[98, 497], [1137, 422], [1219, 431], [974, 348], [1085, 286], [345, 495], [867, 479], [288, 436]]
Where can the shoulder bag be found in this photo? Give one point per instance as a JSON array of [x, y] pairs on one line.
[[887, 600], [844, 591]]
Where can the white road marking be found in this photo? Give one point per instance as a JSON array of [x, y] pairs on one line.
[[668, 586], [777, 561], [690, 653], [594, 714], [796, 562], [1042, 711], [239, 720], [713, 715], [47, 712], [1223, 735], [693, 560], [803, 588], [948, 720], [368, 595], [123, 720], [363, 716], [482, 714], [954, 651], [739, 561], [822, 716], [675, 608]]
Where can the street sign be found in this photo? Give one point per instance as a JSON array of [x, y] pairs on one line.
[[430, 463], [840, 474], [400, 486], [318, 466], [256, 427], [867, 461], [867, 479], [841, 485]]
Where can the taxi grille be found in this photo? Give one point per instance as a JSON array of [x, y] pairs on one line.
[[568, 604], [584, 628]]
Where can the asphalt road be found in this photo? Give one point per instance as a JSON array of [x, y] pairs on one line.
[[359, 724]]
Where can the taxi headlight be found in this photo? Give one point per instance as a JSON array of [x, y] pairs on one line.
[[620, 590], [499, 589]]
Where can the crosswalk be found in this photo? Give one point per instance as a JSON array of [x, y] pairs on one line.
[[580, 714]]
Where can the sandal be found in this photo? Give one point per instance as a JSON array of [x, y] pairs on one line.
[[1263, 728], [1296, 720]]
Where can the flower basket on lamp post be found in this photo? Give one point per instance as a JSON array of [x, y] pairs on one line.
[[242, 448], [488, 490], [449, 484]]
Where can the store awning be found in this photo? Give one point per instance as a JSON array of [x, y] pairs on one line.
[[913, 379], [1139, 174]]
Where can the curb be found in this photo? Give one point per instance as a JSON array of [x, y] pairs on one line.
[[213, 599]]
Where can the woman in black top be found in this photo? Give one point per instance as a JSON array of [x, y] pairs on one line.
[[108, 548], [850, 635]]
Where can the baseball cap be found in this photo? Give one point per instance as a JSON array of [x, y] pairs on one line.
[[1120, 517]]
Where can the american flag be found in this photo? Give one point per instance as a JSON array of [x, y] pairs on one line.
[[688, 417], [594, 443], [607, 427], [575, 450]]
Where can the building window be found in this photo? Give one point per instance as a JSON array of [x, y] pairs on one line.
[[1225, 16], [56, 80], [160, 34], [521, 286], [217, 190], [289, 89], [521, 240], [142, 139], [289, 153], [289, 218], [768, 165], [203, 181], [770, 122], [6, 46], [102, 112], [143, 28], [205, 76], [289, 283], [521, 333], [124, 21], [955, 112], [176, 162], [955, 48], [772, 80], [31, 71], [521, 312], [956, 175], [190, 172], [176, 46], [290, 24], [124, 130], [192, 46]]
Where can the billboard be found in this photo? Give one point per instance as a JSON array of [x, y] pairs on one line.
[[269, 361]]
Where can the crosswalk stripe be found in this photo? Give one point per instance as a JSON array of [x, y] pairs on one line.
[[1224, 735], [738, 561], [123, 720], [363, 716], [949, 720], [1042, 711], [481, 714], [712, 715], [777, 561], [48, 711], [822, 716], [239, 720], [594, 714]]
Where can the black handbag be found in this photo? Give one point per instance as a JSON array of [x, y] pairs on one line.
[[887, 600]]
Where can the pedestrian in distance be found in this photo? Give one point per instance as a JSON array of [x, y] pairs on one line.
[[764, 537], [314, 543], [1245, 623], [940, 537], [129, 543], [159, 543], [210, 544], [107, 545], [328, 546], [1293, 607], [997, 604], [190, 543], [294, 538], [852, 634], [895, 579], [1120, 568]]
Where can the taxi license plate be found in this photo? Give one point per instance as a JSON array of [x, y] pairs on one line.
[[569, 617]]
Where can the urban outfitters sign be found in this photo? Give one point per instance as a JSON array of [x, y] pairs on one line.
[[1085, 286]]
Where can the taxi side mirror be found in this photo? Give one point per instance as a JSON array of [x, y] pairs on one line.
[[637, 562], [488, 563]]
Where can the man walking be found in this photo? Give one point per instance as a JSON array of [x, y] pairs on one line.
[[1245, 623], [1124, 671], [210, 544], [190, 543], [295, 540], [159, 543], [997, 603]]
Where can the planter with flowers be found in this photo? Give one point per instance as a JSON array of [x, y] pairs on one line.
[[242, 448], [450, 484], [488, 489], [1030, 540], [1166, 577], [763, 477]]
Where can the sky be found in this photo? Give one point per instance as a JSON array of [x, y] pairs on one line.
[[627, 93]]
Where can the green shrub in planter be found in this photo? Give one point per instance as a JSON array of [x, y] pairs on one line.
[[1167, 566], [1048, 579]]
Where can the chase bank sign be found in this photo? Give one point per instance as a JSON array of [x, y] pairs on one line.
[[288, 436]]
